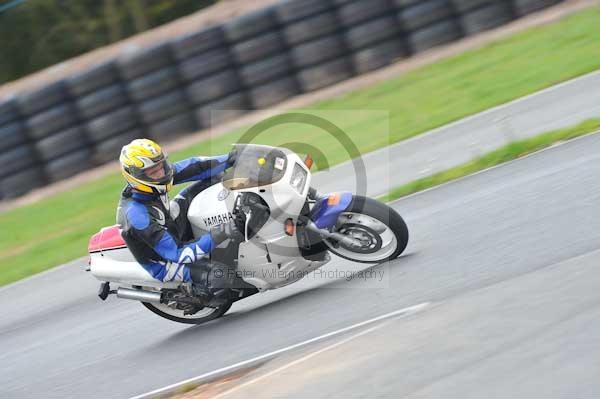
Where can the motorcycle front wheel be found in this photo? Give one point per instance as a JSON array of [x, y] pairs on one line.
[[381, 231]]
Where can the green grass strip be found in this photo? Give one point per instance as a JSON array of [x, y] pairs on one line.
[[504, 154], [56, 230]]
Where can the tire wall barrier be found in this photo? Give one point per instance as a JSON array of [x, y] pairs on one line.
[[250, 62]]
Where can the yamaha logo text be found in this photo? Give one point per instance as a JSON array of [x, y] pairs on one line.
[[217, 219]]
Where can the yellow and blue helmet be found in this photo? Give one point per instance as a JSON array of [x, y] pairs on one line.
[[145, 167]]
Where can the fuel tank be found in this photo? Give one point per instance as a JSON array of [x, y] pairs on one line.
[[210, 208]]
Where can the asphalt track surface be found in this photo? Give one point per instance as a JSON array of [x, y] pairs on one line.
[[508, 257]]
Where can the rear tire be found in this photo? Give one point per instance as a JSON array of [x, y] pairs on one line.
[[218, 312]]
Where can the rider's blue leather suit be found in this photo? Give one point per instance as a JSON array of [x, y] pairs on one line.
[[158, 235]]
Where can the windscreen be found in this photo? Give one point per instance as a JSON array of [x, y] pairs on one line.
[[256, 165]]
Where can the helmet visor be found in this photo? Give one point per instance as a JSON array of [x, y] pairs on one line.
[[160, 173]]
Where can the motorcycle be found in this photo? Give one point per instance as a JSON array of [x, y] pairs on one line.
[[287, 230]]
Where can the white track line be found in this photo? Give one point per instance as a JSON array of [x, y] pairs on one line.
[[401, 312], [500, 165], [300, 360]]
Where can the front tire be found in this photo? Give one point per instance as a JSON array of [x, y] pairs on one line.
[[381, 229]]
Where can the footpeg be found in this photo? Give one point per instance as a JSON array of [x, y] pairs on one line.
[[104, 290]]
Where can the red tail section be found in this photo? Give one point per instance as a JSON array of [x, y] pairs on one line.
[[106, 238]]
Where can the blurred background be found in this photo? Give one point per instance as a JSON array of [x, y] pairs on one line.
[[82, 78], [426, 90], [38, 34], [235, 55]]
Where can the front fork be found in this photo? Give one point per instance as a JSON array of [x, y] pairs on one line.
[[324, 214]]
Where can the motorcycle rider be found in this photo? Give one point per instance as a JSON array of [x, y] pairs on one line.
[[157, 230]]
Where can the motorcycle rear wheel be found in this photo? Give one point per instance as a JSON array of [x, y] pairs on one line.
[[204, 315]]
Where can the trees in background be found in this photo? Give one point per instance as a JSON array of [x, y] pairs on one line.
[[40, 33]]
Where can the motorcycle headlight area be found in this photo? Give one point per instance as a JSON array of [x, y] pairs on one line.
[[298, 179]]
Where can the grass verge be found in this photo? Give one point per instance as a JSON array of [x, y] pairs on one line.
[[504, 154], [53, 231]]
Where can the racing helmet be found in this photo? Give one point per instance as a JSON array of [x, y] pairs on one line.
[[145, 167]]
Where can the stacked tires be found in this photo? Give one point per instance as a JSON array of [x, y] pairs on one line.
[[427, 23], [102, 105], [55, 131], [20, 171], [317, 49], [524, 7], [216, 73], [206, 70], [479, 15], [372, 33], [261, 58]]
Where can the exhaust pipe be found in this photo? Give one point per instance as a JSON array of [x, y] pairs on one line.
[[139, 295]]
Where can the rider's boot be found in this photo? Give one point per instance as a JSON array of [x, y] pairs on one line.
[[200, 277]]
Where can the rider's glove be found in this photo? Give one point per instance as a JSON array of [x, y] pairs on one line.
[[232, 157], [224, 231]]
